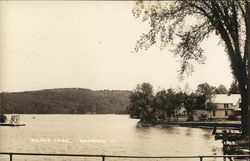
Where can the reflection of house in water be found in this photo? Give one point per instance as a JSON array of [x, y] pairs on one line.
[[226, 105]]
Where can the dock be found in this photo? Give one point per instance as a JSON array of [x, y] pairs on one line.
[[12, 124], [14, 121]]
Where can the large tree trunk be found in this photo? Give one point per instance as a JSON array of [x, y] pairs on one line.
[[248, 90], [248, 56], [240, 69], [245, 95], [245, 113]]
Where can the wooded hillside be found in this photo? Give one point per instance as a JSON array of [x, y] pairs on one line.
[[65, 101]]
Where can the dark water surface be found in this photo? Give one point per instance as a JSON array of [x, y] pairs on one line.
[[102, 134]]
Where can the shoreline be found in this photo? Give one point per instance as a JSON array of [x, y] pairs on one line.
[[208, 124]]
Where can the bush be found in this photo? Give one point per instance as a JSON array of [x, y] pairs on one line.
[[190, 118], [3, 118], [203, 117], [232, 117]]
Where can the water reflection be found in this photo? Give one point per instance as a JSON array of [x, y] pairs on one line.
[[129, 139], [207, 136], [189, 132], [214, 150]]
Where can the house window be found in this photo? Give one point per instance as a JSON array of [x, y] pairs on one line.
[[226, 113], [225, 105], [214, 113]]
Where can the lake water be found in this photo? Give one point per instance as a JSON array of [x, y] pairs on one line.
[[102, 134]]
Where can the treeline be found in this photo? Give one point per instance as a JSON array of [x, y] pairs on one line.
[[150, 107], [65, 101]]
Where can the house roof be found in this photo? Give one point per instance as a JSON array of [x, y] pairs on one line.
[[224, 98]]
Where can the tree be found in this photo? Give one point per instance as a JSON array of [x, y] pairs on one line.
[[200, 102], [141, 101], [171, 103], [168, 101], [234, 88], [160, 103], [228, 19], [211, 107], [3, 118], [190, 102], [221, 89], [206, 90]]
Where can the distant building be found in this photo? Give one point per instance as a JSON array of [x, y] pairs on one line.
[[226, 105], [181, 111]]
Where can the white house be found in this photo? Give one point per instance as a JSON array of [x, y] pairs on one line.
[[226, 105]]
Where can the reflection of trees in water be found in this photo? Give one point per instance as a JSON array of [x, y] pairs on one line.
[[215, 150], [167, 129], [164, 128], [188, 132], [171, 130], [143, 129], [207, 136]]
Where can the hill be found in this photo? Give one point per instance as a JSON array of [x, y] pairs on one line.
[[65, 101]]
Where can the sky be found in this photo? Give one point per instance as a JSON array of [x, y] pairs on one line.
[[88, 44]]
